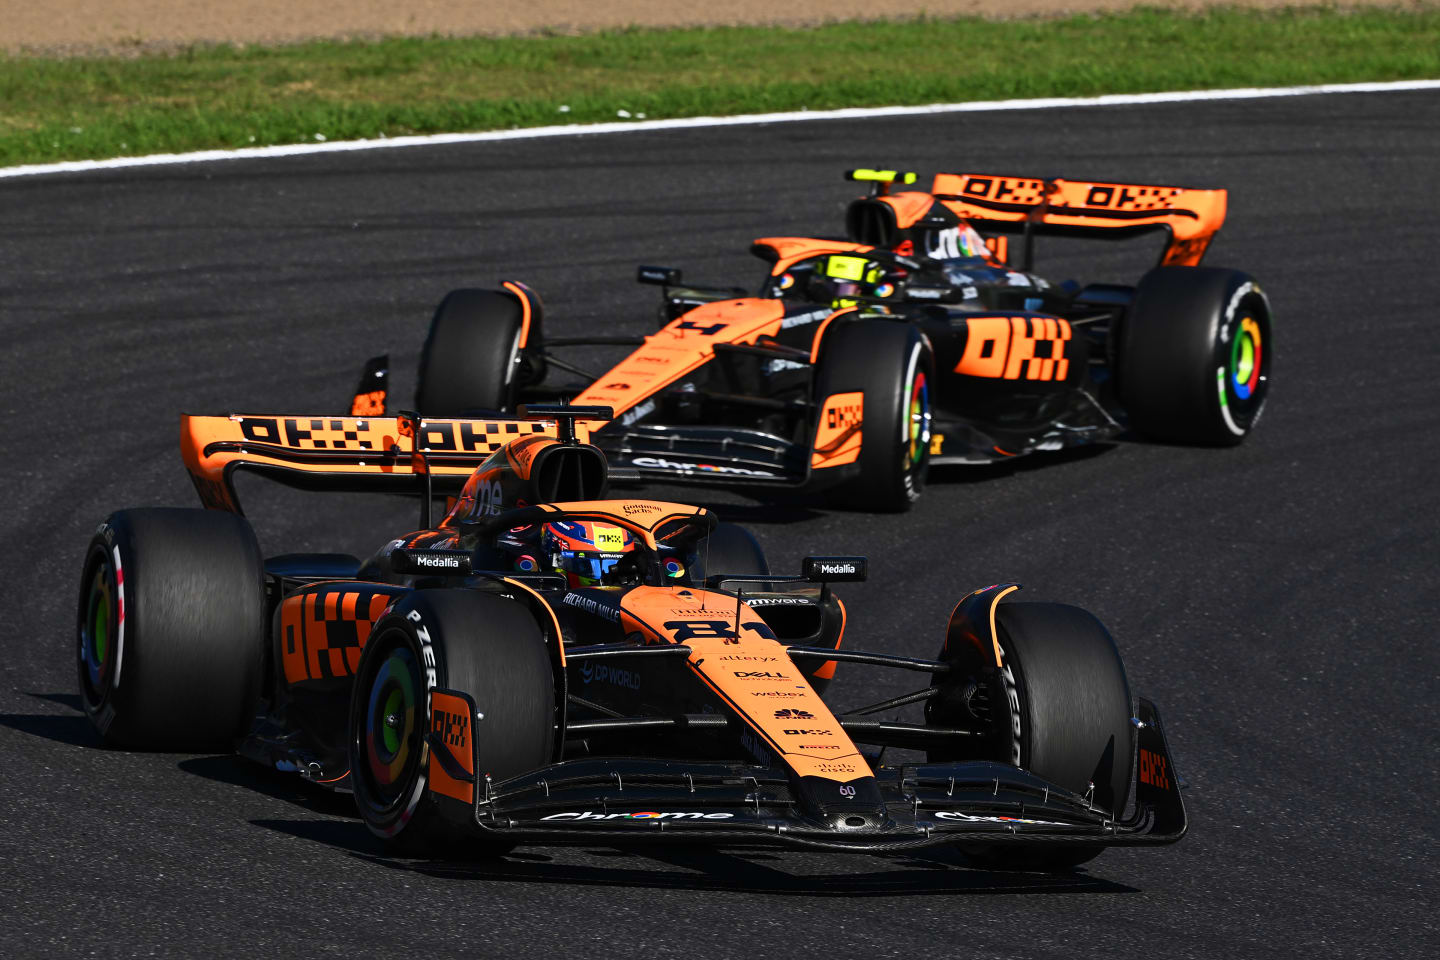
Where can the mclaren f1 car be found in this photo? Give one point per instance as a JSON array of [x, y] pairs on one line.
[[859, 362], [544, 666]]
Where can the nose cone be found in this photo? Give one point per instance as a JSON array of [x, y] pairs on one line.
[[853, 807]]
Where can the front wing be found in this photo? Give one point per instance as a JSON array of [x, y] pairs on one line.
[[973, 802]]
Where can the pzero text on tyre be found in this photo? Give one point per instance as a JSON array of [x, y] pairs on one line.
[[1065, 711], [482, 645]]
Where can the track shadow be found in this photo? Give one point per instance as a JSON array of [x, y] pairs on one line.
[[71, 700], [73, 729], [239, 772], [674, 866], [962, 473], [740, 869]]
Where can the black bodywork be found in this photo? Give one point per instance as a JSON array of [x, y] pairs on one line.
[[644, 743]]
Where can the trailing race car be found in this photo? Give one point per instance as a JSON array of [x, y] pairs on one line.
[[860, 362], [544, 666]]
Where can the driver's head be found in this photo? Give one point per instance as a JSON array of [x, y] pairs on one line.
[[585, 550], [844, 280]]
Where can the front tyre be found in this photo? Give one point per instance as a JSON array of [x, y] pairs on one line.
[[474, 360], [1063, 713], [482, 645], [171, 629], [890, 364], [1195, 355]]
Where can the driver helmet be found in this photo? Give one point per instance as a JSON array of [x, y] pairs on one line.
[[585, 550], [844, 280]]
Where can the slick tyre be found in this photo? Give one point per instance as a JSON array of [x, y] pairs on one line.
[[472, 361], [1067, 706], [171, 629], [891, 365], [481, 645], [1195, 355]]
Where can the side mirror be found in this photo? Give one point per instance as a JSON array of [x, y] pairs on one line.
[[659, 276], [833, 569]]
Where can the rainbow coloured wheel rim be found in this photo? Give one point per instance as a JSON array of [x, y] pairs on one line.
[[915, 430], [1243, 366], [391, 733], [1246, 354], [99, 619]]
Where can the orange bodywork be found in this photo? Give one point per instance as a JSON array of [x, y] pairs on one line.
[[837, 435], [961, 629], [1193, 216], [1013, 348], [909, 207], [341, 446], [789, 251], [450, 720], [527, 310], [734, 653], [368, 404], [826, 670], [679, 348], [322, 633]]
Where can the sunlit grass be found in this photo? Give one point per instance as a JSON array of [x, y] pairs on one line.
[[223, 96]]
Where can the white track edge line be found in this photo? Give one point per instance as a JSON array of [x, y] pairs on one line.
[[680, 123]]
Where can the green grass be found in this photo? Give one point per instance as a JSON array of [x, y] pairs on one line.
[[223, 96]]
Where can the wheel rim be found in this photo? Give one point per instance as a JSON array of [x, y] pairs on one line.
[[1243, 365], [391, 732], [97, 632], [915, 425], [1245, 356]]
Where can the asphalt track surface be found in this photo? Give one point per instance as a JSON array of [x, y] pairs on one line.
[[1278, 600]]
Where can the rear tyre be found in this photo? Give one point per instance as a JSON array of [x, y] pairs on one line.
[[891, 364], [1195, 355], [482, 645], [1067, 707], [472, 359], [171, 629]]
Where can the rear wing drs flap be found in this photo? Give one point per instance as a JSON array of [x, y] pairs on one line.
[[380, 454], [1190, 217]]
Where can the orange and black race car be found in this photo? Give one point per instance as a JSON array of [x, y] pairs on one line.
[[858, 362], [541, 665]]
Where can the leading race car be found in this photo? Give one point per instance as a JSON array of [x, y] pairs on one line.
[[544, 666], [860, 362]]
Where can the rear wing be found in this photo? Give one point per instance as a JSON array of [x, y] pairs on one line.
[[1189, 217], [403, 454]]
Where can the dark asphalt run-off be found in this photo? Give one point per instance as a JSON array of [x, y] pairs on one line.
[[1278, 601]]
